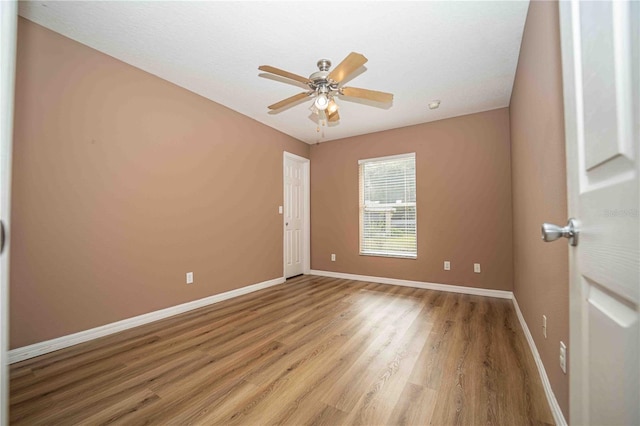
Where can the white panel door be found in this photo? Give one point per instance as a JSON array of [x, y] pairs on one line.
[[601, 61], [294, 213], [8, 22]]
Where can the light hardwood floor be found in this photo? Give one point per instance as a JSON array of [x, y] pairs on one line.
[[314, 350]]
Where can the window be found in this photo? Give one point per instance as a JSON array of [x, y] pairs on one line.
[[388, 206]]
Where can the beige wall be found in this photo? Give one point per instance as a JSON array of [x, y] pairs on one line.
[[539, 190], [463, 201], [122, 183]]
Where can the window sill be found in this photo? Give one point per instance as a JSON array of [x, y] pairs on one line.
[[398, 256]]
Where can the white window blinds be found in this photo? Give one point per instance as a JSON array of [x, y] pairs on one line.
[[388, 206]]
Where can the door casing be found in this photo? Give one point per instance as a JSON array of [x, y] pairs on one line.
[[8, 37]]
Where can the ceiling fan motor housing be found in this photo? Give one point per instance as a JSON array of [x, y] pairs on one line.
[[319, 81]]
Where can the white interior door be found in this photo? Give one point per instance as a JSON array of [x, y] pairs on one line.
[[8, 22], [601, 60], [295, 213]]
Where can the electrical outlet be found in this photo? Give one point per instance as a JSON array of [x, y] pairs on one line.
[[189, 277], [563, 357], [333, 257], [447, 265], [544, 326], [476, 268]]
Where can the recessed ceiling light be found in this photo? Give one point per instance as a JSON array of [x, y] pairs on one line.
[[434, 104]]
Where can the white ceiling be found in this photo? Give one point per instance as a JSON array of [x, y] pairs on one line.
[[463, 53]]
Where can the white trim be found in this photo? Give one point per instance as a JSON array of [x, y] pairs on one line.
[[296, 157], [306, 246], [388, 157], [558, 417], [502, 294], [37, 349], [8, 46]]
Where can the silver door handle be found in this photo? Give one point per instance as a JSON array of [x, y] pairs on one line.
[[551, 232]]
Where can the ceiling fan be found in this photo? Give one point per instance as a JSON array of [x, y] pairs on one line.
[[325, 84]]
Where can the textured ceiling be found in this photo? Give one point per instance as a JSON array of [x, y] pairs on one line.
[[462, 53]]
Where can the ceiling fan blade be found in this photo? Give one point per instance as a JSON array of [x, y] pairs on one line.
[[372, 95], [334, 117], [289, 100], [287, 74], [352, 62]]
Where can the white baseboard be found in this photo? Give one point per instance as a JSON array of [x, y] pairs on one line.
[[41, 348], [418, 284], [558, 417]]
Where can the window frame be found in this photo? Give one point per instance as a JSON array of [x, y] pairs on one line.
[[362, 206]]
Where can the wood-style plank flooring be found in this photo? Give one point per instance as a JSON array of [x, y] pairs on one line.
[[314, 350]]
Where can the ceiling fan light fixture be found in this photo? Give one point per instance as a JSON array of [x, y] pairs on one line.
[[332, 107], [322, 102]]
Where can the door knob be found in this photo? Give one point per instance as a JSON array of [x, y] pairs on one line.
[[551, 232]]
